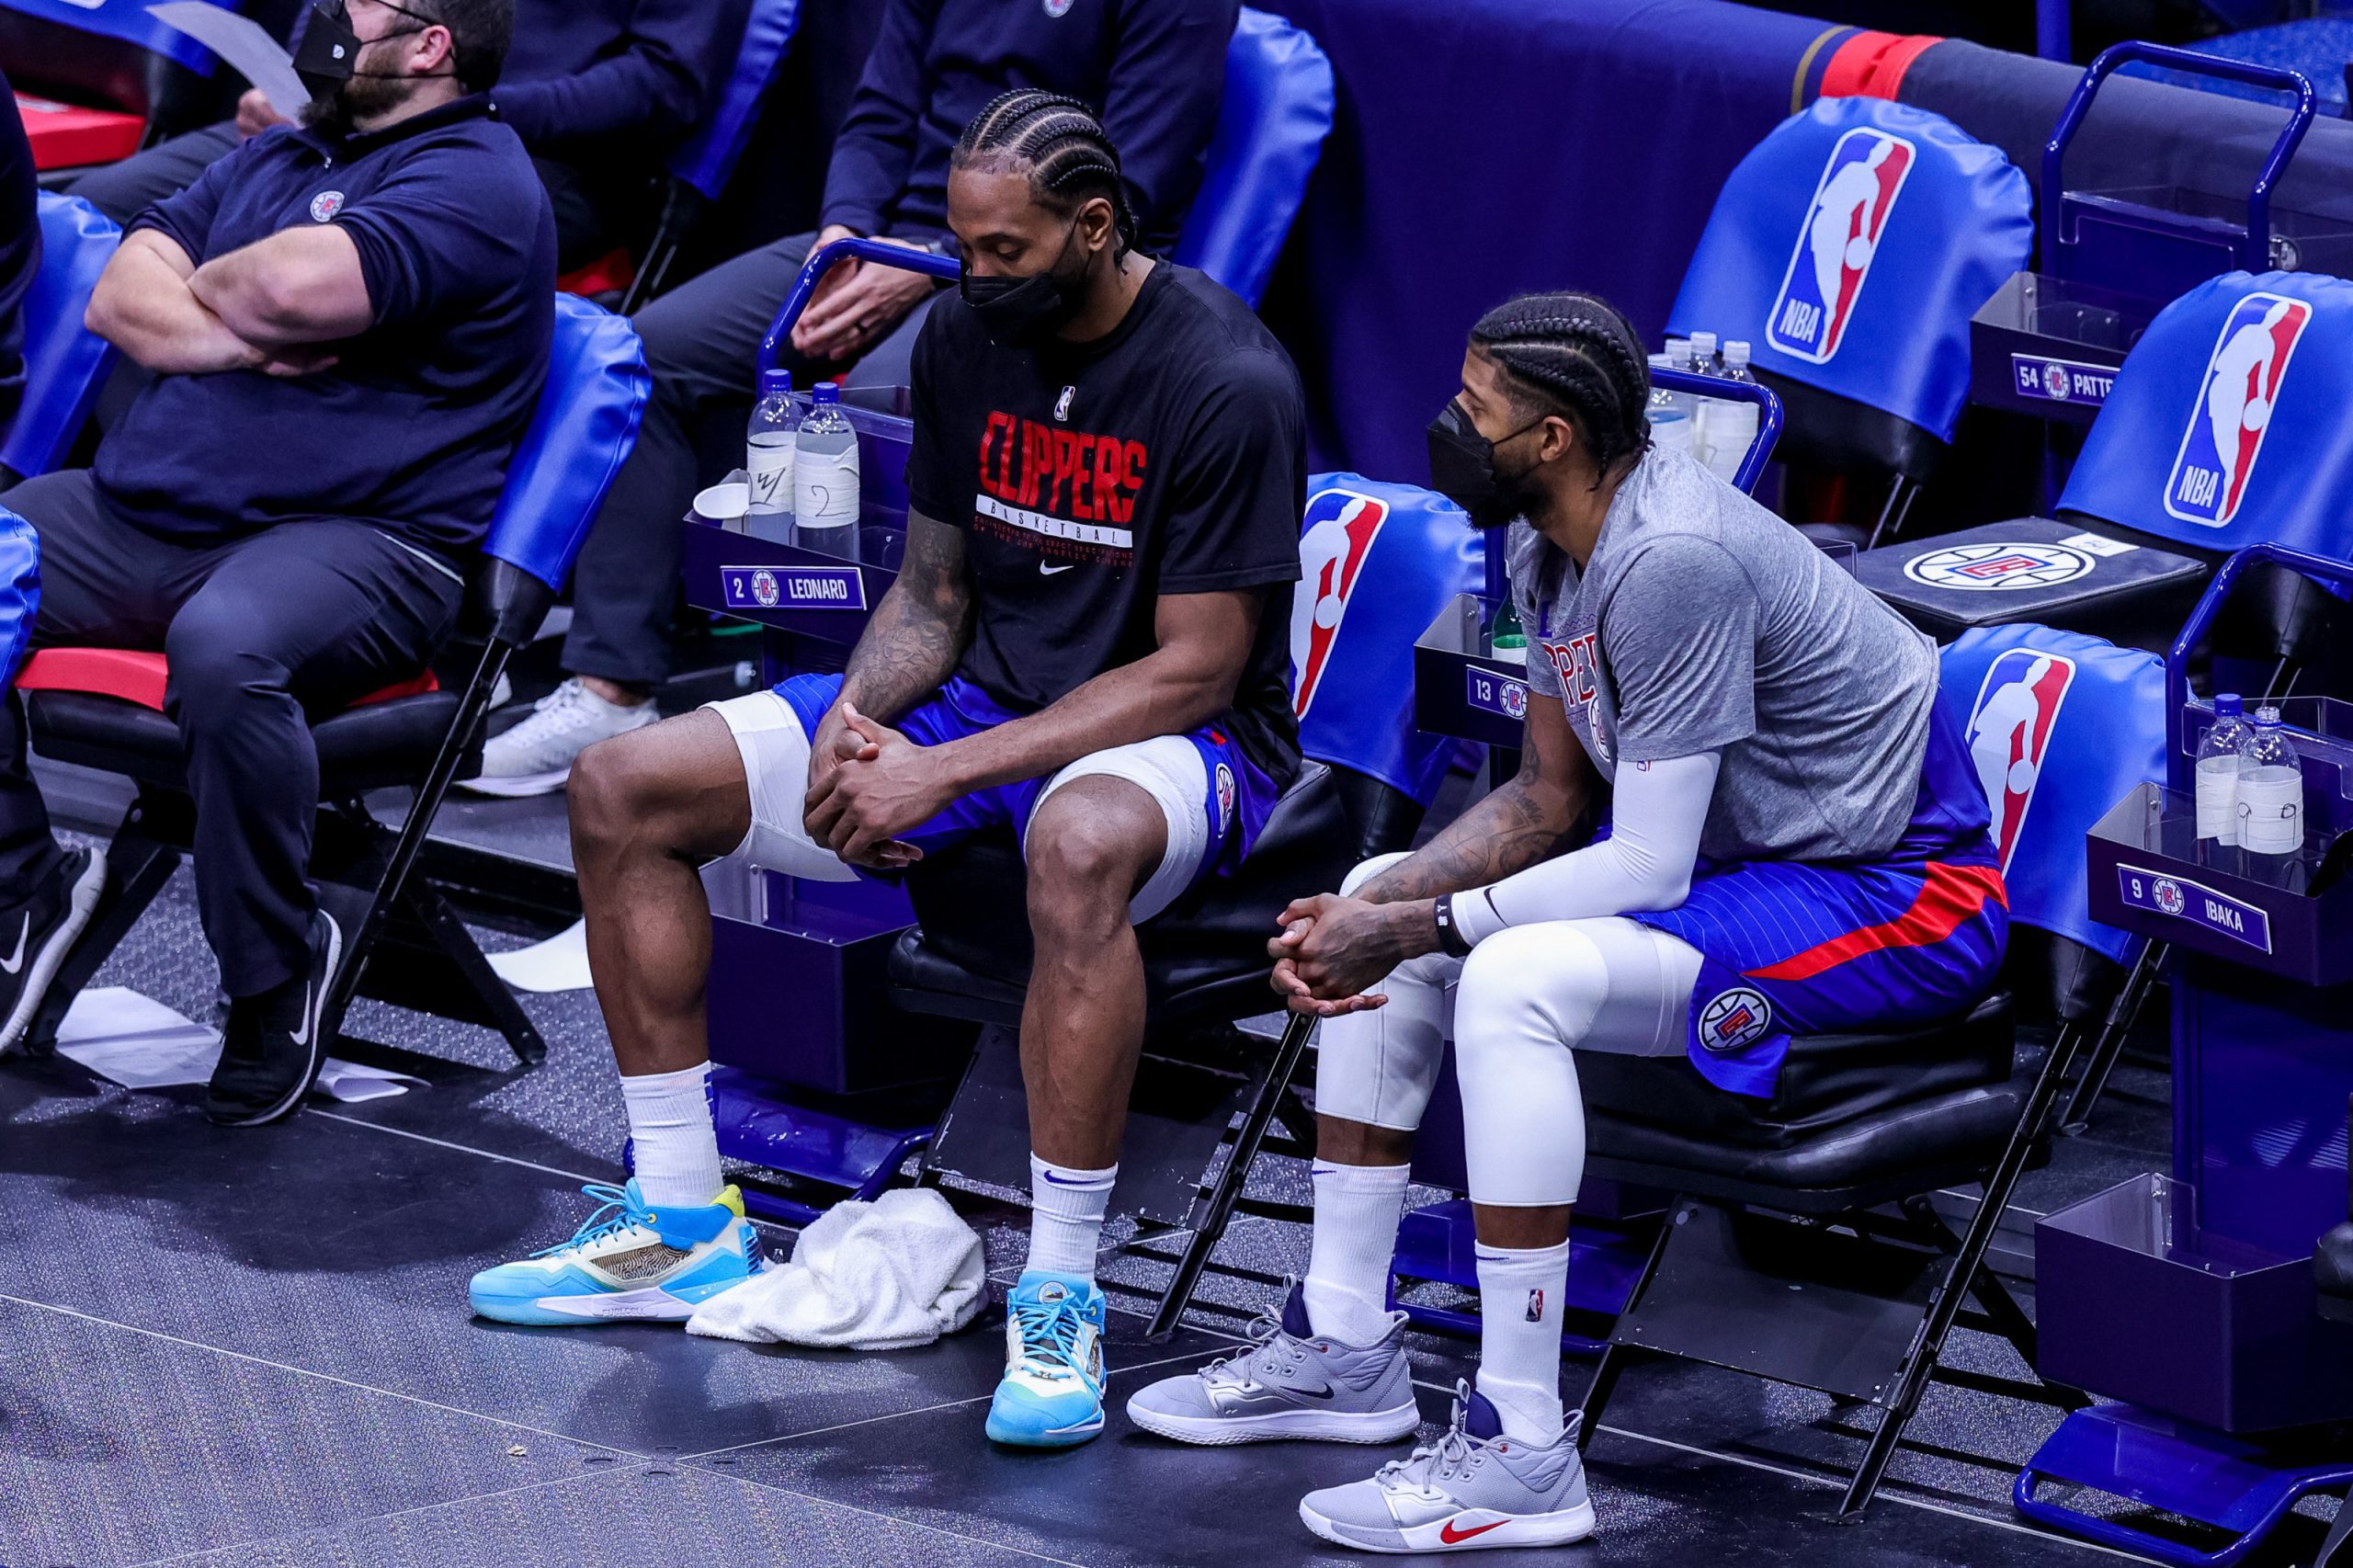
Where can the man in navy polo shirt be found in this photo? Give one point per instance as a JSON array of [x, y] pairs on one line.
[[348, 326]]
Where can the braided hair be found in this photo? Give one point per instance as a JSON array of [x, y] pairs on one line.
[[1575, 356], [1060, 144]]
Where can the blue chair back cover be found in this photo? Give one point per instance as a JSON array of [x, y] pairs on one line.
[[1380, 562], [585, 428], [1851, 247], [65, 363], [1270, 130], [2227, 424], [2060, 727], [127, 20], [19, 591], [708, 157]]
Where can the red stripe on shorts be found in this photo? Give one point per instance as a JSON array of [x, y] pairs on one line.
[[1948, 896]]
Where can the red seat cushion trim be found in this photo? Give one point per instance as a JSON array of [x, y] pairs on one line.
[[67, 136], [609, 274], [140, 677]]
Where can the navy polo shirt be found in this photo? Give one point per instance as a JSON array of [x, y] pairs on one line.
[[412, 429]]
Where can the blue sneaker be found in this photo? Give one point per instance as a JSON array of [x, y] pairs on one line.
[[1052, 1394], [627, 1262]]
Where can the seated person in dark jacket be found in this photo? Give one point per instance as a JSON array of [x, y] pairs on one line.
[[600, 91], [1155, 72], [349, 327], [19, 257]]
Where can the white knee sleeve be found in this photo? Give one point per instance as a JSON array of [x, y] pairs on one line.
[[775, 753], [1529, 999], [1379, 1067]]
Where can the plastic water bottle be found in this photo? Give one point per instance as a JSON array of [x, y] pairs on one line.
[[1703, 354], [824, 470], [1507, 638], [1702, 362], [769, 444], [2271, 791], [1670, 412], [1731, 427], [2218, 772]]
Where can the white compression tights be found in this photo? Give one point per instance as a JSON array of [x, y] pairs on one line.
[[1517, 1009]]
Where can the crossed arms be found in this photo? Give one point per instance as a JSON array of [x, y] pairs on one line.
[[868, 784], [267, 307]]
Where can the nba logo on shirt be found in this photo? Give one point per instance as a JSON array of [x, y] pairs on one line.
[[1062, 405], [2009, 731], [1341, 526], [2235, 402], [1838, 244], [326, 205]]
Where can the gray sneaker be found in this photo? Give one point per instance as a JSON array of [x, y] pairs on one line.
[[534, 757], [1474, 1488], [1292, 1382]]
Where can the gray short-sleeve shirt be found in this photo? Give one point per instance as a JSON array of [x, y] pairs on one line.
[[1703, 622]]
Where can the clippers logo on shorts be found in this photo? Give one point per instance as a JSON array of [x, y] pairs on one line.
[[1837, 243], [1341, 526], [2009, 732], [2236, 402], [326, 205], [1578, 663], [1067, 494], [1225, 798], [2006, 567], [1735, 1019]]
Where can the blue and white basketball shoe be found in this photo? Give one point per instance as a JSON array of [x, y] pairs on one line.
[[1052, 1394], [627, 1263]]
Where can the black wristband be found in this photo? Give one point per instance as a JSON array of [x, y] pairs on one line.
[[1450, 939]]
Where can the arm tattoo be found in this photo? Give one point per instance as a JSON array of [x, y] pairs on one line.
[[1527, 821], [911, 645]]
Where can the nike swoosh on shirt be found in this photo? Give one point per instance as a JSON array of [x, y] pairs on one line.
[[25, 931], [1454, 1537], [1046, 571]]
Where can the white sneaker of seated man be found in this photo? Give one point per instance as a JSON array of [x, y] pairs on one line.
[[535, 758]]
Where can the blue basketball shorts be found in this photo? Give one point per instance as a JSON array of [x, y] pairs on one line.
[[1794, 948], [1212, 798]]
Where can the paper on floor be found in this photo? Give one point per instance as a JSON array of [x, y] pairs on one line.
[[559, 963], [138, 1042]]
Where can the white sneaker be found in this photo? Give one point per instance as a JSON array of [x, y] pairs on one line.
[[534, 757]]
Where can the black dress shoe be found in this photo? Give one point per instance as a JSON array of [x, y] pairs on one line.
[[272, 1050]]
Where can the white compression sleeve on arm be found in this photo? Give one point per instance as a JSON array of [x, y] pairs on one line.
[[1645, 863]]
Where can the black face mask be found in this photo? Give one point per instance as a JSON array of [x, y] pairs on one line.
[[1022, 313], [329, 56], [1463, 469]]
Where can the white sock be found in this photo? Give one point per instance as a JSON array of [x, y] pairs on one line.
[[1066, 1210], [674, 1146], [1520, 1338], [1347, 1288]]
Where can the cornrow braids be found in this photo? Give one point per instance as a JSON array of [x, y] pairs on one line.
[[1574, 355], [1058, 141]]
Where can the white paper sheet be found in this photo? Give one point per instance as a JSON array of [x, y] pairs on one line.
[[244, 46], [559, 963], [138, 1042]]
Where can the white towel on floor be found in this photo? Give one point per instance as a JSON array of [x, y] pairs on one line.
[[897, 1272]]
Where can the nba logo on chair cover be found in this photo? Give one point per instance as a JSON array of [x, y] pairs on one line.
[[2236, 399], [1838, 242], [2009, 732], [1341, 526]]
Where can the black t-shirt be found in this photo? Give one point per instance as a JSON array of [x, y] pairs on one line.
[[1166, 458]]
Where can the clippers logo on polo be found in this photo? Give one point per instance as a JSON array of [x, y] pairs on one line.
[[1341, 526], [326, 205], [1062, 492], [2236, 402], [2009, 732], [1837, 243]]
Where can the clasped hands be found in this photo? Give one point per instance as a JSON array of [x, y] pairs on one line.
[[1332, 947], [868, 784]]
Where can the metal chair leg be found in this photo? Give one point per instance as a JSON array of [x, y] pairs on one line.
[[1901, 493], [1612, 1365], [1920, 1361], [1230, 1182], [430, 794], [2122, 1014]]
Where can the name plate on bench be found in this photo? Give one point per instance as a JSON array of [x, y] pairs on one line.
[[792, 588], [2194, 902], [1496, 694]]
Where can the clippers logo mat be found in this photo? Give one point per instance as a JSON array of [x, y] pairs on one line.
[[1734, 1018], [2009, 732], [1341, 526], [2236, 402], [1999, 568], [1837, 243]]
